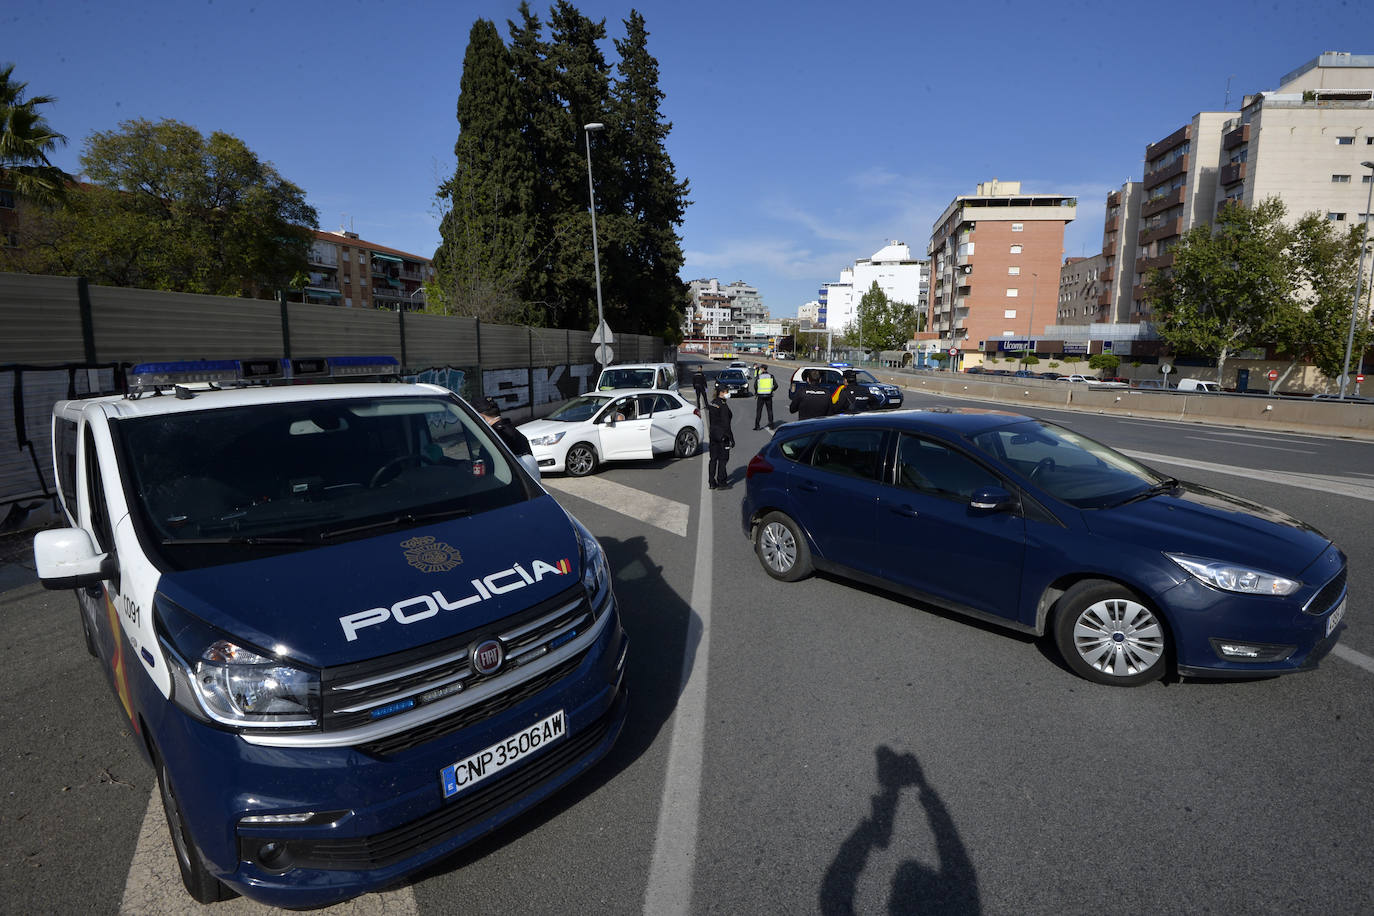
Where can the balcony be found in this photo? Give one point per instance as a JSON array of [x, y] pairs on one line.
[[1169, 229], [1178, 167], [1235, 138], [1232, 173], [1114, 199], [1164, 202], [1158, 263], [323, 259], [1112, 224], [1104, 298], [1163, 146]]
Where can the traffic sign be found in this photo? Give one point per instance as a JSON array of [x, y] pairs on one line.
[[603, 334], [953, 351], [604, 355], [1359, 378], [1165, 368], [1273, 375]]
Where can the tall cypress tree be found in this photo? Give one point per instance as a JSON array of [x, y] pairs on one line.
[[488, 233], [650, 200]]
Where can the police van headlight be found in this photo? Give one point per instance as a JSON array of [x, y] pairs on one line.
[[223, 681], [596, 570]]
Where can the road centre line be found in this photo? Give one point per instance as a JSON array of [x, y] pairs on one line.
[[154, 883], [1274, 448], [1354, 657], [669, 889], [1267, 437], [1340, 486], [666, 514]]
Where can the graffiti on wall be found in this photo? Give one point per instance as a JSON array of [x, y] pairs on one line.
[[513, 388]]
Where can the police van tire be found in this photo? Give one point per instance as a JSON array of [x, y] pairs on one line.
[[580, 460], [86, 630], [200, 884], [687, 443]]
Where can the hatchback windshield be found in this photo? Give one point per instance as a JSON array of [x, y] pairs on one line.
[[580, 408], [626, 378], [1069, 467], [223, 485]]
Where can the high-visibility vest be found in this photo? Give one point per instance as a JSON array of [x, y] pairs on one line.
[[764, 384]]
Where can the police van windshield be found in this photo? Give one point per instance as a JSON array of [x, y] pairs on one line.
[[626, 378], [223, 485]]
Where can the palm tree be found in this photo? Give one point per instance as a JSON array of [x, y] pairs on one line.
[[25, 142]]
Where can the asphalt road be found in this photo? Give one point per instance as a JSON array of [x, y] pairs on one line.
[[833, 748]]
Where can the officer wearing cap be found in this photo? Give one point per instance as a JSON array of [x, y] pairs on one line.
[[811, 399], [722, 439], [491, 412], [852, 397]]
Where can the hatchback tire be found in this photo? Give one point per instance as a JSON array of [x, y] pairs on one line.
[[1110, 635], [781, 548], [687, 443], [580, 460]]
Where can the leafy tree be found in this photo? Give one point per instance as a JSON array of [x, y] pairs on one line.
[[26, 141], [1315, 324], [1229, 284], [488, 230], [881, 323], [1107, 362], [172, 209]]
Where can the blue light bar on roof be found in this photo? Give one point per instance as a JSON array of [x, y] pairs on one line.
[[186, 372], [161, 375], [363, 365]]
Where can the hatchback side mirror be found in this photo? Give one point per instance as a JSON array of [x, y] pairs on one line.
[[992, 499]]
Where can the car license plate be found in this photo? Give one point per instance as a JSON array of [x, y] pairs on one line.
[[1335, 617], [471, 770]]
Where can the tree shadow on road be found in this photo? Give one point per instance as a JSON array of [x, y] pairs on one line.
[[917, 887]]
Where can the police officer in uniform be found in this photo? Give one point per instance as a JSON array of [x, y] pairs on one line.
[[812, 398], [699, 385], [722, 439], [503, 427], [851, 397], [763, 395]]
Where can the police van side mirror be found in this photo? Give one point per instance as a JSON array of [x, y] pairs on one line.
[[66, 558]]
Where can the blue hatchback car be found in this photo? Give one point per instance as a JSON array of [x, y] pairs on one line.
[[1031, 526]]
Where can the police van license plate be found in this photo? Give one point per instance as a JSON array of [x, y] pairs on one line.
[[468, 772], [1335, 617]]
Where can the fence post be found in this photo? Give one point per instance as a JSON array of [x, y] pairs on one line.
[[529, 369], [401, 322], [83, 301], [285, 325]]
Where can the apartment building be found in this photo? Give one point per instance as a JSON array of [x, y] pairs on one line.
[[1082, 283], [901, 277], [348, 271], [994, 265], [1120, 233], [733, 313]]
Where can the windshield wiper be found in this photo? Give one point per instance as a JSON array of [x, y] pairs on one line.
[[249, 540], [1166, 485], [408, 518]]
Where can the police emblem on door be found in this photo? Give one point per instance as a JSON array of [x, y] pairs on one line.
[[429, 555]]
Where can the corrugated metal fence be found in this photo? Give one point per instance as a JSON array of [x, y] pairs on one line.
[[60, 338]]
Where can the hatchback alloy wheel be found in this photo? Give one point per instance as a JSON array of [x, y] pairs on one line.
[[781, 548], [1110, 636]]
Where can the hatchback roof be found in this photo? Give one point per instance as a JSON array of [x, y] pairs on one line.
[[957, 420]]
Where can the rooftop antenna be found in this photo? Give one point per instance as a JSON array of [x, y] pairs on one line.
[[1227, 105]]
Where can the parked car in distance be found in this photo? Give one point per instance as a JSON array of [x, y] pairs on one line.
[[974, 370], [1150, 384], [602, 426], [1073, 378], [735, 380], [638, 375], [1022, 523], [1198, 385], [1352, 398]]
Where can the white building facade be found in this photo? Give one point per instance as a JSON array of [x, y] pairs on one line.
[[901, 277]]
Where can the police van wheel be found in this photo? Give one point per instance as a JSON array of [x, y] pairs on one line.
[[200, 884], [86, 629], [687, 442], [581, 460]]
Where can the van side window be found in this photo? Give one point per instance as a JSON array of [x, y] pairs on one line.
[[95, 492], [66, 464]]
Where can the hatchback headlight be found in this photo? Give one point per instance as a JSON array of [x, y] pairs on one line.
[[550, 439], [1231, 578], [221, 680]]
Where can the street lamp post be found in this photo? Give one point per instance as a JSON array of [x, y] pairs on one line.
[[1359, 276], [596, 254]]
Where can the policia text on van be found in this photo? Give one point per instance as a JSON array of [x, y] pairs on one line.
[[351, 632]]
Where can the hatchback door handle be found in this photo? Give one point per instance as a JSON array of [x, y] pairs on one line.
[[809, 487], [905, 510]]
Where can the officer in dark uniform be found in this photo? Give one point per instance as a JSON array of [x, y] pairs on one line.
[[812, 398], [851, 397], [491, 412], [699, 386], [722, 439]]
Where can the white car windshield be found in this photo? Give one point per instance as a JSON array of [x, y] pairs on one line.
[[580, 408]]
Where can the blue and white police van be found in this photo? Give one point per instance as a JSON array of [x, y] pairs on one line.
[[350, 631]]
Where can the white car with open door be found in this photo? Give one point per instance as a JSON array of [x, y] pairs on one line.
[[617, 425]]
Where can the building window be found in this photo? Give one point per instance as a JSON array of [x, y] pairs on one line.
[[1013, 271], [1015, 249], [1009, 313], [1017, 227], [1366, 179], [1345, 141], [1012, 293], [1340, 179], [1336, 217]]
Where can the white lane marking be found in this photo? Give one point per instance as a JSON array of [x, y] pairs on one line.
[[1355, 658], [667, 514], [1340, 486], [1267, 437], [1274, 448], [154, 884], [669, 890]]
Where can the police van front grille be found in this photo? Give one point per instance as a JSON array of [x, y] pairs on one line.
[[366, 692]]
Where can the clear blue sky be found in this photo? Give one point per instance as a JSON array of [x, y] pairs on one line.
[[811, 132]]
